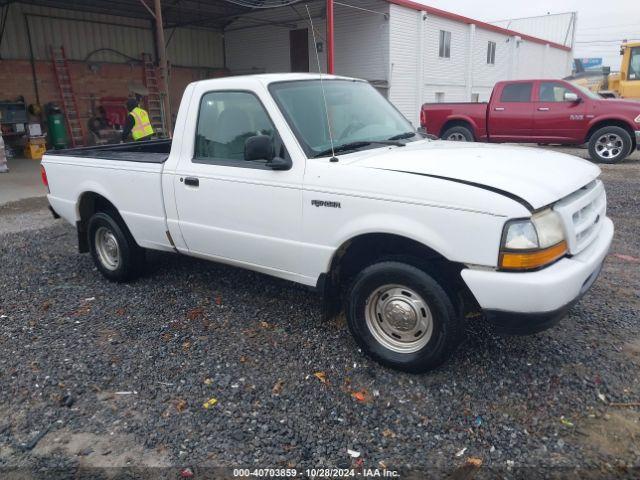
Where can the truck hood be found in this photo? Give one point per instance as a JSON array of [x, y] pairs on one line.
[[534, 176]]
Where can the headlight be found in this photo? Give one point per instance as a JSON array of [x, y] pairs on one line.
[[532, 243]]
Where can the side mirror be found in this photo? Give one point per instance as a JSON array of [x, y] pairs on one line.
[[279, 163], [571, 97], [258, 147]]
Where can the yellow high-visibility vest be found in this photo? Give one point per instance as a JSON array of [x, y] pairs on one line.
[[142, 126]]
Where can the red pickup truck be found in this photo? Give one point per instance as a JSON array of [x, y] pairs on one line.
[[541, 111]]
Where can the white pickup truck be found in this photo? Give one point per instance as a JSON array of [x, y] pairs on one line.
[[408, 235]]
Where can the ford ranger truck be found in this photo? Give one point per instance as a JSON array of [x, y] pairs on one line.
[[407, 235], [541, 111]]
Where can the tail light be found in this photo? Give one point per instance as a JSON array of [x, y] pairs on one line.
[[45, 181], [423, 118]]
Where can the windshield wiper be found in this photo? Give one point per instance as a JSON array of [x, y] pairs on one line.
[[356, 145], [402, 136]]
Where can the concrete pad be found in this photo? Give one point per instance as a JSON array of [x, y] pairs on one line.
[[21, 181]]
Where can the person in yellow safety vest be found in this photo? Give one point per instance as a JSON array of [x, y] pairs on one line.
[[138, 124]]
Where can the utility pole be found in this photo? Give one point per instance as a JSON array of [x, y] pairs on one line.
[[330, 43], [162, 61]]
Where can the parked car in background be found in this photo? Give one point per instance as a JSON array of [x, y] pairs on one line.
[[408, 235], [541, 111]]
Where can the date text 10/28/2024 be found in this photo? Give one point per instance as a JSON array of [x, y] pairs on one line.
[[315, 473]]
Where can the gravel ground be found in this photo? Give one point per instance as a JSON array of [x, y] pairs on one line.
[[95, 374]]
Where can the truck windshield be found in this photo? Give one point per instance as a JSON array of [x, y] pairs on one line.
[[360, 117]]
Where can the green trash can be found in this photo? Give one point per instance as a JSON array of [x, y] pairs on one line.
[[58, 136]]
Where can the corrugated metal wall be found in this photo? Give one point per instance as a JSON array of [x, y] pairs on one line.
[[446, 75], [404, 31], [466, 75], [556, 28], [265, 49], [361, 49], [83, 33]]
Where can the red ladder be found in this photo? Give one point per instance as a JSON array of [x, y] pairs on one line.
[[155, 106], [63, 77]]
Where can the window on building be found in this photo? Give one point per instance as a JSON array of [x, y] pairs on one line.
[[553, 92], [225, 121], [439, 97], [491, 53], [517, 92], [445, 44]]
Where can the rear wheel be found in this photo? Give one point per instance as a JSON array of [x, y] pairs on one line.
[[401, 317], [610, 145], [458, 134], [113, 249]]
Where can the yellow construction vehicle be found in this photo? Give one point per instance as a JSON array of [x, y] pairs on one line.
[[627, 83], [623, 84]]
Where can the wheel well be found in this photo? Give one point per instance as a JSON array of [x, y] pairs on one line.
[[364, 250], [457, 123], [89, 204], [612, 123]]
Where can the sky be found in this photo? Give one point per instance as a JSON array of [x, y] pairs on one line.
[[596, 24]]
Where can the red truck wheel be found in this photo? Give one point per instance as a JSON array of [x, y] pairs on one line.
[[458, 134], [610, 145]]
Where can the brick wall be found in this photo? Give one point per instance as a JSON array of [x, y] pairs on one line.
[[107, 80]]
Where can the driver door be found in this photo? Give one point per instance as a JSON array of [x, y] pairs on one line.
[[236, 210]]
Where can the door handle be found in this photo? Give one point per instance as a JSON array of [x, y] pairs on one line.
[[499, 109], [192, 181], [543, 109]]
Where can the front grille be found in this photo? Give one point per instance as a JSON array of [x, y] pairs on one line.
[[581, 213]]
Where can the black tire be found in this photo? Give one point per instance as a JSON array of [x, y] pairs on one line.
[[458, 134], [130, 257], [619, 136], [446, 326]]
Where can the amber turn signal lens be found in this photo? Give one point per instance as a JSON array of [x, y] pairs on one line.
[[531, 260]]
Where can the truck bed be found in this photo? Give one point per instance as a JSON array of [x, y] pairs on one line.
[[438, 117], [151, 151]]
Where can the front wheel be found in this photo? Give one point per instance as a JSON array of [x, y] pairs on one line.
[[458, 134], [401, 317], [113, 249], [610, 145]]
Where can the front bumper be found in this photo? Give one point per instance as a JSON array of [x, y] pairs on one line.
[[529, 302]]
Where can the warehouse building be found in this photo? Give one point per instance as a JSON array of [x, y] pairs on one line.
[[411, 52]]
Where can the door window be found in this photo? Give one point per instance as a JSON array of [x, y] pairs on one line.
[[634, 64], [225, 121], [517, 92], [553, 92]]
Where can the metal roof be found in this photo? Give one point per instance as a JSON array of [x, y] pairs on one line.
[[203, 13], [217, 14]]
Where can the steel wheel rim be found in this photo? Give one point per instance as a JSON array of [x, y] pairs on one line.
[[398, 318], [107, 248], [609, 146], [456, 137]]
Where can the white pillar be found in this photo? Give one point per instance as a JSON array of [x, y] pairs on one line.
[[513, 57], [469, 67], [545, 59], [422, 18]]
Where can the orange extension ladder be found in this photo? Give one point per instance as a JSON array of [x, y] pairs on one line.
[[154, 98], [63, 77]]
